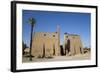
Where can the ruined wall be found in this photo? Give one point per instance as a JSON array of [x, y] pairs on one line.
[[45, 44], [72, 44]]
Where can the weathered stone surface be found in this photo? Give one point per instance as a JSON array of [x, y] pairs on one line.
[[45, 44], [72, 44]]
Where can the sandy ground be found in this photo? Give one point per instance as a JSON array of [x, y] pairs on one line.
[[59, 58]]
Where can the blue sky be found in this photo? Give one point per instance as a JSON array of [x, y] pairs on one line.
[[47, 21]]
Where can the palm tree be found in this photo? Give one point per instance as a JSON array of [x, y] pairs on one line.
[[32, 22]]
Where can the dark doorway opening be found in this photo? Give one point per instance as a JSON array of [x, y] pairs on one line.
[[80, 50], [43, 51], [61, 50], [53, 49]]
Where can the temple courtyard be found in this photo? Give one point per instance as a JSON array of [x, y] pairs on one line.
[[85, 56]]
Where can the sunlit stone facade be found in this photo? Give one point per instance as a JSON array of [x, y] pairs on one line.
[[46, 44], [72, 44]]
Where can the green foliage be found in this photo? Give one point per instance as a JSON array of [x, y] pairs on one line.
[[32, 20]]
